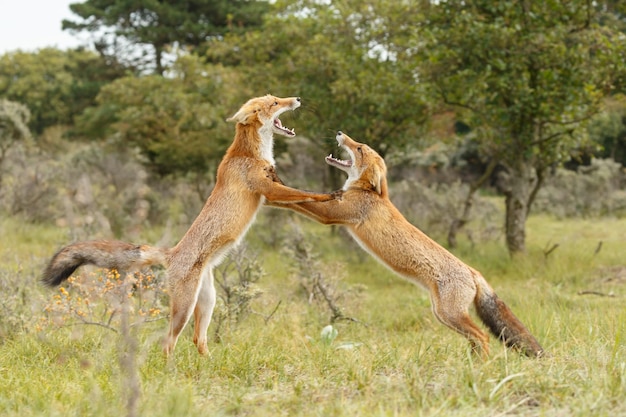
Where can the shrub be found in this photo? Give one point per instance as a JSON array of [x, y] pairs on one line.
[[106, 193], [236, 281], [92, 190], [434, 207], [321, 282], [595, 190], [29, 184]]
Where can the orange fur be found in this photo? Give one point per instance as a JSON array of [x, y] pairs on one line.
[[377, 225], [244, 181]]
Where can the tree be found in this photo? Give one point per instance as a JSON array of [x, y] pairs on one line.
[[55, 85], [339, 59], [526, 76], [13, 126], [160, 24], [177, 122], [334, 57]]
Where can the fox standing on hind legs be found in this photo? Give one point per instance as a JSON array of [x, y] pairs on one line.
[[244, 182], [377, 225]]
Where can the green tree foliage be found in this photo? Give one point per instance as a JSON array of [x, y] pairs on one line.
[[161, 24], [337, 57], [55, 85], [178, 122], [609, 130], [526, 76]]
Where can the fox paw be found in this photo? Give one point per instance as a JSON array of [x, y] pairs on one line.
[[270, 172], [337, 195]]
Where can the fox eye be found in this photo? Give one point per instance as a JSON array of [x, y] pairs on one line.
[[359, 149], [275, 103]]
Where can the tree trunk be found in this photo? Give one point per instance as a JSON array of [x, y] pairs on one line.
[[459, 222], [520, 183], [158, 52]]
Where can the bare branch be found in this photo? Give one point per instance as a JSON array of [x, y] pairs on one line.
[[551, 137]]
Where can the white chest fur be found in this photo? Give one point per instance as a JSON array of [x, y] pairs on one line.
[[267, 144]]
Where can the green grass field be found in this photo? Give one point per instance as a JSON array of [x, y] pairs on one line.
[[401, 361]]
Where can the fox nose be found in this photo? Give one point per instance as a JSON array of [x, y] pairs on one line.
[[339, 133], [298, 99]]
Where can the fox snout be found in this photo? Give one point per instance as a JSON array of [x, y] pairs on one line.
[[339, 137], [293, 102], [345, 140]]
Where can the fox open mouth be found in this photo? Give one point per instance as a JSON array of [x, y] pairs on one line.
[[278, 125], [339, 163]]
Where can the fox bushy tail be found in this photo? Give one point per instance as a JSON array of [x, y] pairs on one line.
[[501, 321], [111, 254]]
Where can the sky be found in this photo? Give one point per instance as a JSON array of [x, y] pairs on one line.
[[34, 24]]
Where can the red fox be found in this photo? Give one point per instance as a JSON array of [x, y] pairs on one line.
[[244, 182], [379, 228]]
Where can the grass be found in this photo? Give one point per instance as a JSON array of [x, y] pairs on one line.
[[405, 363]]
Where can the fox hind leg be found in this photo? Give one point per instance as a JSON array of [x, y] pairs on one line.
[[183, 295], [203, 312], [454, 313]]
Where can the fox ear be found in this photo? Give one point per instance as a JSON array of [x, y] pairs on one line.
[[377, 179], [238, 117], [242, 116]]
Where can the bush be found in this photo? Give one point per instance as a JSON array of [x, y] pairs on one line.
[[106, 193], [29, 184], [92, 190], [321, 283], [433, 208], [236, 282], [595, 190]]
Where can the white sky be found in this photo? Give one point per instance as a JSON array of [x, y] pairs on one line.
[[34, 24]]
